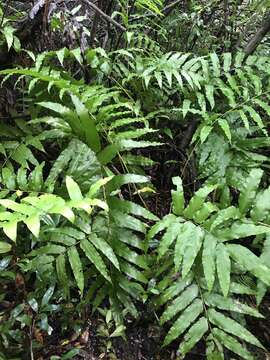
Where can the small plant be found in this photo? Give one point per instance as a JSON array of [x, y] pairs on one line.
[[203, 248]]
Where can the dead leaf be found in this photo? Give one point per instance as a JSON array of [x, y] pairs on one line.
[[38, 336], [84, 338]]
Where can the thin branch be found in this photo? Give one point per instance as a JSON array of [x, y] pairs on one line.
[[105, 16], [257, 38]]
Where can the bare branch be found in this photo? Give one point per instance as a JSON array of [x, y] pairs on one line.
[[257, 38], [105, 16]]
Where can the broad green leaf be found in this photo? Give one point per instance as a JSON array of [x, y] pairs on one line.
[[227, 92], [174, 290], [241, 230], [4, 247], [73, 189], [87, 126], [95, 258], [216, 65], [130, 255], [133, 273], [201, 101], [209, 92], [60, 109], [226, 128], [105, 248], [131, 208], [77, 55], [223, 215], [261, 206], [76, 266], [232, 327], [249, 261], [168, 75], [158, 76], [94, 189], [180, 303], [214, 350], [33, 224], [61, 55], [168, 238], [8, 33], [47, 296], [223, 264], [250, 187], [47, 249], [193, 336], [230, 304], [198, 200], [263, 105], [129, 222], [206, 210], [244, 119], [178, 199], [209, 259], [232, 344], [9, 178], [192, 238], [183, 322], [265, 256], [180, 243], [121, 180], [186, 107], [165, 222], [36, 178], [227, 60], [255, 115], [61, 274], [109, 152], [10, 229]]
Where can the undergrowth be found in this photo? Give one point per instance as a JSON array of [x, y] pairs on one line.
[[77, 232]]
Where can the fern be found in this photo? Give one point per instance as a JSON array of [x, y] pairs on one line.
[[201, 233]]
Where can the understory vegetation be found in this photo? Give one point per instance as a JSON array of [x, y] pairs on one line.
[[134, 178]]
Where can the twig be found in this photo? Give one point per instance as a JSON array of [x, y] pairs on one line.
[[105, 16]]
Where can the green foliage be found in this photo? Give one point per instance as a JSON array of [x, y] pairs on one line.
[[198, 245], [78, 235]]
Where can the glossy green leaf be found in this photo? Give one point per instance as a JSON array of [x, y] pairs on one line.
[[180, 303], [232, 327], [76, 266], [230, 304], [62, 274], [223, 264], [232, 344], [95, 258], [248, 193], [73, 189], [209, 259], [193, 336], [184, 320], [249, 261], [5, 247], [105, 248], [178, 196]]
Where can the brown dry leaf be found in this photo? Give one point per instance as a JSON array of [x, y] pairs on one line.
[[38, 336], [19, 281], [84, 338]]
